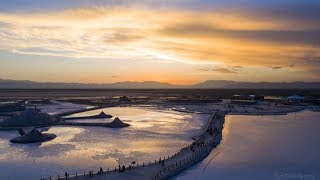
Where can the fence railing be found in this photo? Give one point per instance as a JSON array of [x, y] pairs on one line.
[[174, 168], [196, 156]]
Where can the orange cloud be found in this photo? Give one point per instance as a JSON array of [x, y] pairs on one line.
[[223, 38]]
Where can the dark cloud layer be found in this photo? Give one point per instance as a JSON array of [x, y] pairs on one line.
[[275, 36], [223, 70]]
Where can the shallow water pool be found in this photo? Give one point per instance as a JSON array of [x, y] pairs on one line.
[[152, 134], [264, 148]]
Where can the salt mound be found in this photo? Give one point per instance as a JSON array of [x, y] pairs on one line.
[[29, 117], [104, 115], [10, 107], [117, 123], [33, 136]]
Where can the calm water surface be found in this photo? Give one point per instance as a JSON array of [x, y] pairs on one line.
[[264, 147], [152, 134]]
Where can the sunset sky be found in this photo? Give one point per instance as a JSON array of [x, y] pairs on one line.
[[175, 41]]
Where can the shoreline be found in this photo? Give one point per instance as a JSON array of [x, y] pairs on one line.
[[167, 167], [183, 159], [152, 170]]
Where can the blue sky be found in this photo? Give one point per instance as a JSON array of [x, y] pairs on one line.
[[25, 5]]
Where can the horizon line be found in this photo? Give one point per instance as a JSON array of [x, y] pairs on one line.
[[108, 83]]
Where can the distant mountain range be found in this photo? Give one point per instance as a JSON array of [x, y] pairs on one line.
[[210, 84]]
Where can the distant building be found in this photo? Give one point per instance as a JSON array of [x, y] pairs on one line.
[[295, 99], [275, 99], [124, 99], [246, 99]]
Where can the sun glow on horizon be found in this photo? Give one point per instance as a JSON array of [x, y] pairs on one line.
[[174, 45]]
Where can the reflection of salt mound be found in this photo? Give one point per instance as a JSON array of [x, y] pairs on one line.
[[104, 115], [99, 116], [33, 136], [117, 123], [29, 117]]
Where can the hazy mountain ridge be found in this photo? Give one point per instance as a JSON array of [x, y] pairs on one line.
[[210, 84], [253, 85], [13, 84]]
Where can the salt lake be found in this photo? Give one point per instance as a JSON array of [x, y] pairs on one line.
[[264, 148], [152, 134]]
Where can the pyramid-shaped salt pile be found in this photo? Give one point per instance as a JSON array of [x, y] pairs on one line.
[[104, 115], [117, 123]]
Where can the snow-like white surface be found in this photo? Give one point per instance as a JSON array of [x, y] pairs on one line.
[[59, 107], [264, 148], [152, 134], [270, 108]]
